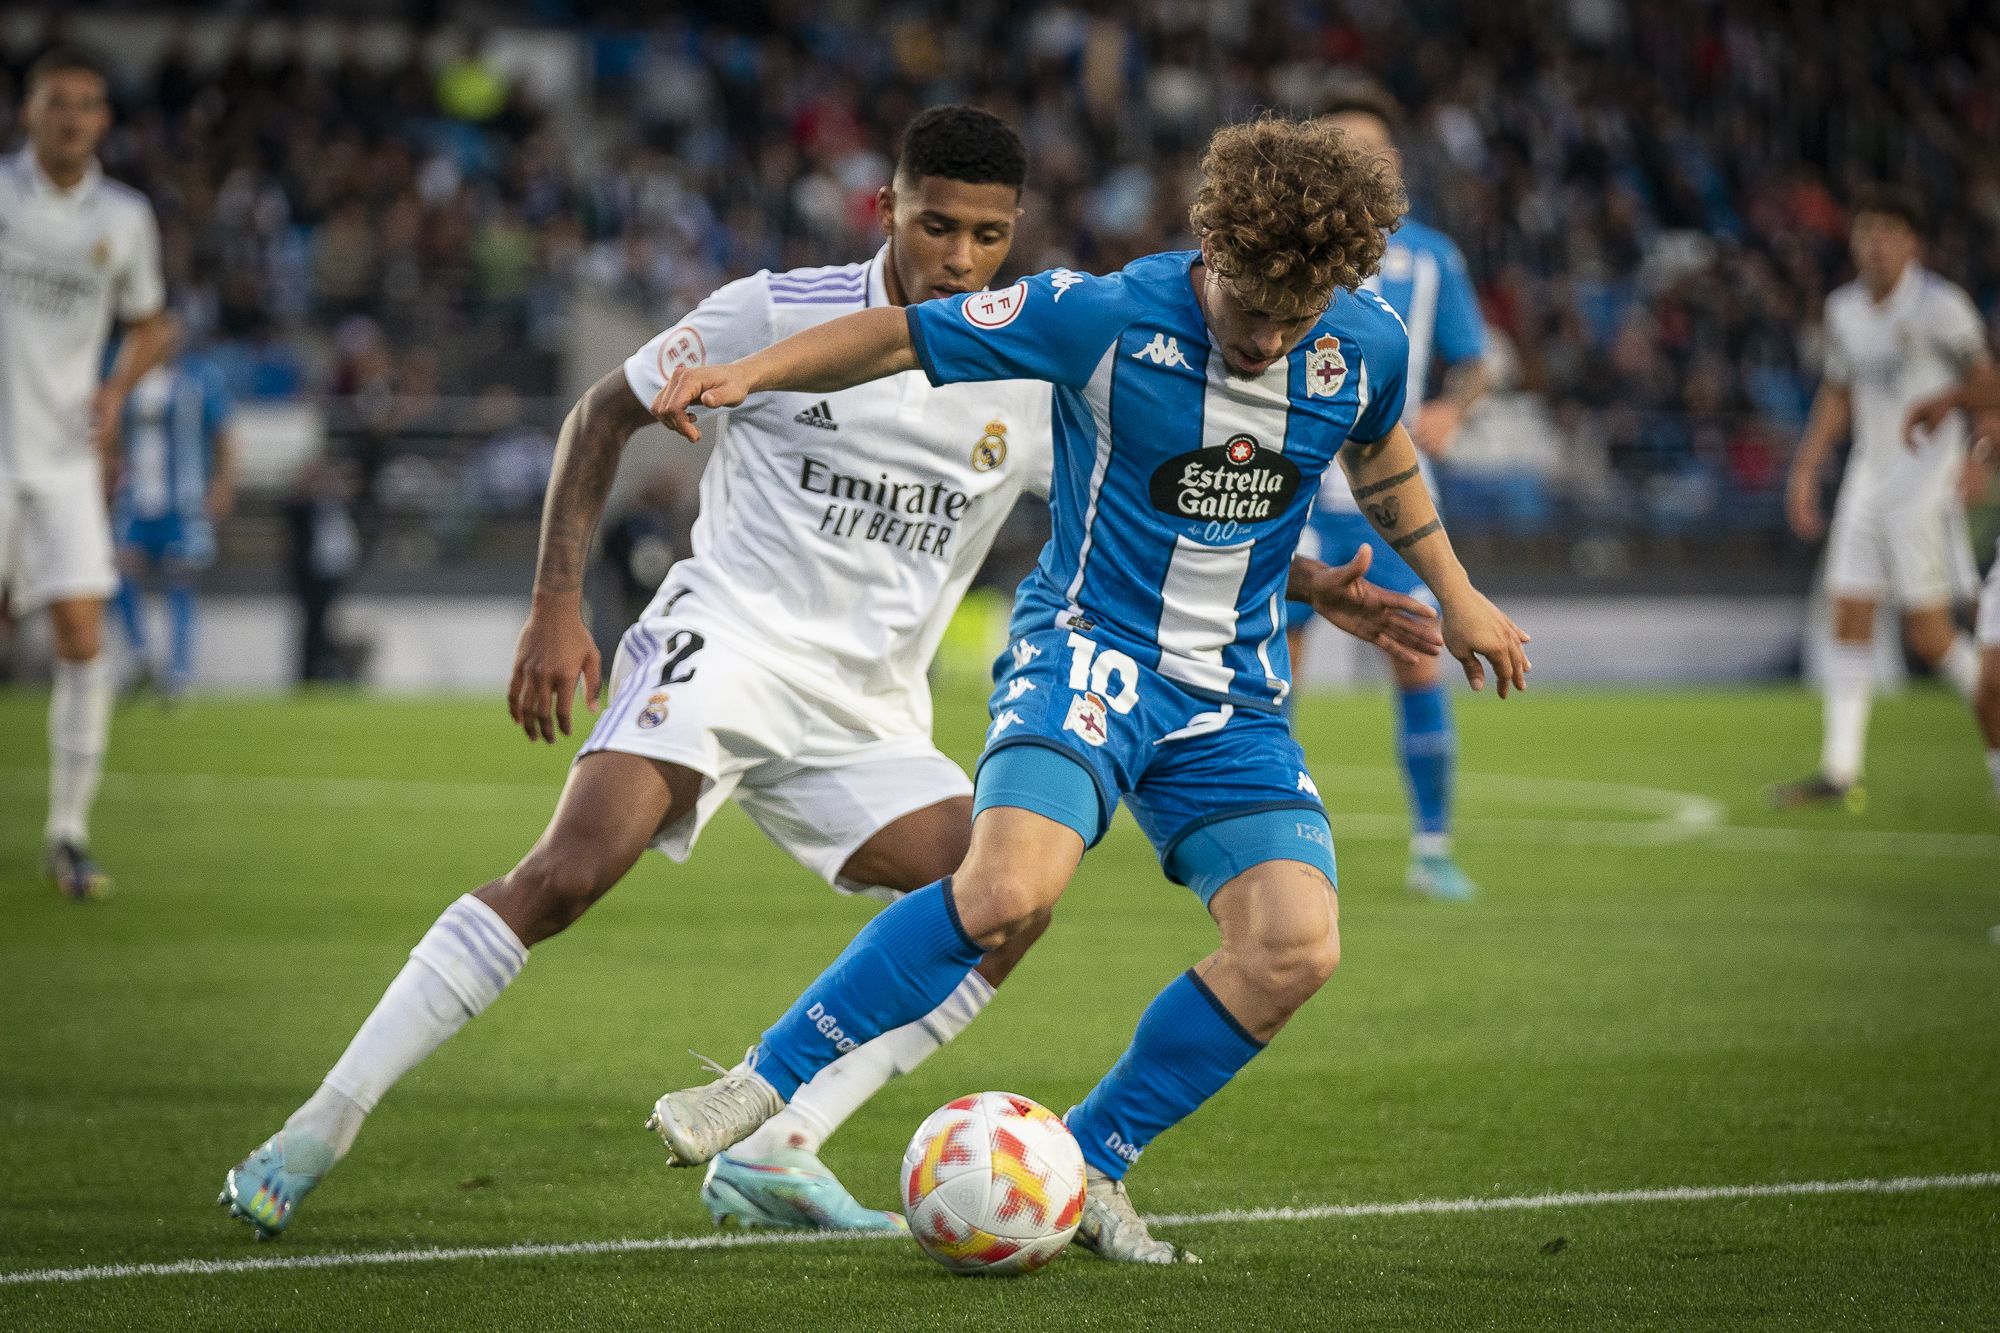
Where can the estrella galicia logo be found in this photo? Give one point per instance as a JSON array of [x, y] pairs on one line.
[[1233, 482]]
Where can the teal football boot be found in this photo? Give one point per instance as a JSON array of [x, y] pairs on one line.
[[266, 1188], [1439, 878], [791, 1190]]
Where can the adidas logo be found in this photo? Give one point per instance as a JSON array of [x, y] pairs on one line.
[[820, 415], [1162, 351]]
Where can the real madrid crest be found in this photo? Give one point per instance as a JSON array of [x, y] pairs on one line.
[[991, 451], [655, 711], [1326, 368], [100, 253]]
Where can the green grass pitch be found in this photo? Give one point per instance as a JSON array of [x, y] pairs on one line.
[[1662, 985]]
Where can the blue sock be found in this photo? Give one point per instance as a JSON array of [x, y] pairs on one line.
[[900, 967], [1428, 747], [132, 614], [180, 616], [1186, 1048]]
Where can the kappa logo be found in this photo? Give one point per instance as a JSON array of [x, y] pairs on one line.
[[820, 414], [1088, 718], [1062, 280], [1008, 718], [1162, 351], [1017, 687], [655, 711], [995, 310], [1306, 784], [1024, 652], [1326, 368]]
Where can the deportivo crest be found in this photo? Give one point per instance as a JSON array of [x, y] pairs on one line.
[[991, 451], [1236, 481], [1088, 718], [655, 711], [995, 310], [1326, 368]]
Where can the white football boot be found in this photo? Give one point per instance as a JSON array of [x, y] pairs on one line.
[[698, 1123], [1112, 1229]]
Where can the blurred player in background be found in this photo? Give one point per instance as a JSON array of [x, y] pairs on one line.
[[1198, 396], [1896, 334], [1978, 397], [77, 252], [1423, 279], [177, 481]]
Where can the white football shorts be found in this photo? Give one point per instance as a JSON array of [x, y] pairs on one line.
[[1988, 625], [55, 537], [1917, 557], [818, 779]]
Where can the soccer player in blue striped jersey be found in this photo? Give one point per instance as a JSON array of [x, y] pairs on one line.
[[1198, 397], [1423, 279], [177, 480]]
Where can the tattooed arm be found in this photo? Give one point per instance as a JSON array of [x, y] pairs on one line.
[[555, 648], [1391, 492]]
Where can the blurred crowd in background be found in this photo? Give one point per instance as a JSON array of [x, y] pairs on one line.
[[1649, 194]]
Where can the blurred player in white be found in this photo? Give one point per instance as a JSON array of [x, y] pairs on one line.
[[77, 252], [1978, 397], [782, 665], [1897, 334]]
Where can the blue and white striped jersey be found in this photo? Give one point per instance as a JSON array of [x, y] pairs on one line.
[[1179, 489], [172, 419], [1423, 279]]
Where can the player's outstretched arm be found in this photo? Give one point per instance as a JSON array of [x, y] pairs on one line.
[[1400, 626], [838, 354], [1390, 490], [555, 650]]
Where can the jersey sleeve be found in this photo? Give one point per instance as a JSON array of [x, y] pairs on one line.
[[1053, 327], [1959, 331], [142, 288], [1460, 333], [731, 323], [1385, 355], [1836, 362]]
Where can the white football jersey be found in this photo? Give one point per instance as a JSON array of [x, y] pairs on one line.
[[1918, 342], [839, 531], [70, 260]]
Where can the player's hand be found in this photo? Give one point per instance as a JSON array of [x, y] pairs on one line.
[[1802, 508], [698, 386], [1436, 426], [1926, 416], [1400, 626], [553, 653], [1475, 628]]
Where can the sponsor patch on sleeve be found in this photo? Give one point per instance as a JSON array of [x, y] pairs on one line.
[[681, 347], [995, 310]]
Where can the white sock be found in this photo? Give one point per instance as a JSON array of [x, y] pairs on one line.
[[1849, 690], [458, 968], [1993, 767], [837, 1091], [1960, 666], [79, 725], [1430, 844]]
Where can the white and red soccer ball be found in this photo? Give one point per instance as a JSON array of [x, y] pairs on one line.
[[993, 1184]]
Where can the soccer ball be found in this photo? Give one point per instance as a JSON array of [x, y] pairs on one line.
[[993, 1184]]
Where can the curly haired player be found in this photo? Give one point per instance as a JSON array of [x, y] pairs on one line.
[[1198, 397]]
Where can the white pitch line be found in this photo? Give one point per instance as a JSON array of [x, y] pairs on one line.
[[741, 1240], [1678, 818]]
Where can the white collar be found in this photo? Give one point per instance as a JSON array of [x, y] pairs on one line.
[[39, 182], [878, 282]]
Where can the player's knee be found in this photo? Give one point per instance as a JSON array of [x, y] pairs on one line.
[[1294, 963], [996, 911]]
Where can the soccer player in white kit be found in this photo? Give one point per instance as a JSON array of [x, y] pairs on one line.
[[783, 665], [1897, 334], [1978, 397], [77, 252]]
